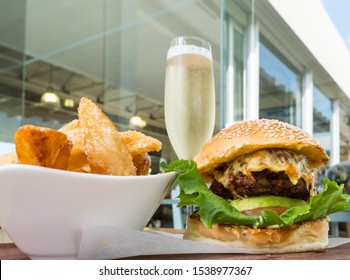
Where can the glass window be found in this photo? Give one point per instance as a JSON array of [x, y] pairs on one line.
[[12, 41], [234, 57], [238, 45], [322, 115], [344, 133], [279, 88], [113, 52]]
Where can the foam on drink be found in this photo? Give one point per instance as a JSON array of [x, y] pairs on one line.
[[188, 49]]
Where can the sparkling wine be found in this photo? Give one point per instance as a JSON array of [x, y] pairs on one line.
[[189, 99]]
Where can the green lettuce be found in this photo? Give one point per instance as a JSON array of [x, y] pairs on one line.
[[214, 209]]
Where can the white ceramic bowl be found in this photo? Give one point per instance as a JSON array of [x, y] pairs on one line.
[[44, 211]]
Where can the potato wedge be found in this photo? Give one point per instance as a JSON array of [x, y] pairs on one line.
[[139, 143], [104, 148], [42, 147], [78, 160], [10, 158], [142, 163]]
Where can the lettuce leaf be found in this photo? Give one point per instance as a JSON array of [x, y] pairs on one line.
[[214, 209]]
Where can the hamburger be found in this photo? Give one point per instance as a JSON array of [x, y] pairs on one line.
[[252, 185]]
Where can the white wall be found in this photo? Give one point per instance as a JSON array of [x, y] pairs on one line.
[[312, 24]]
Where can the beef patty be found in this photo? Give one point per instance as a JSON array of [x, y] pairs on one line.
[[261, 183]]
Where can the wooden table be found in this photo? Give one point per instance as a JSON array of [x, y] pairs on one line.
[[9, 251]]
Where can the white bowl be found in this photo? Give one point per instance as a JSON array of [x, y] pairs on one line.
[[44, 211]]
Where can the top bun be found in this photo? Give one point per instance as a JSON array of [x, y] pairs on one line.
[[249, 136]]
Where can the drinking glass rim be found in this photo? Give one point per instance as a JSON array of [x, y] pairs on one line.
[[194, 40]]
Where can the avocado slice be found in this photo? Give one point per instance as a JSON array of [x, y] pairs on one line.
[[266, 202]]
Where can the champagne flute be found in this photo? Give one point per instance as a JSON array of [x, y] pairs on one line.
[[189, 101]]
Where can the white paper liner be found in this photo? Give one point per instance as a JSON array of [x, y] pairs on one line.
[[102, 242]]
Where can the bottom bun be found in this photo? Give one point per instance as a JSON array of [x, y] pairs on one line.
[[306, 236]]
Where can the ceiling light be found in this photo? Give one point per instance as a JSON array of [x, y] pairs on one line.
[[137, 121], [68, 102], [49, 98]]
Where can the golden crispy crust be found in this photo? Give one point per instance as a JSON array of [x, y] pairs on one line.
[[77, 160], [42, 147], [249, 136], [105, 150], [307, 236], [139, 143], [142, 163]]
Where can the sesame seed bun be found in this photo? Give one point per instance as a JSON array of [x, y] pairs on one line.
[[306, 236], [249, 136]]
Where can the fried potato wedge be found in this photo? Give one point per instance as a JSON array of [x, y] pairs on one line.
[[77, 160], [139, 143], [142, 163], [10, 158], [42, 147], [104, 148]]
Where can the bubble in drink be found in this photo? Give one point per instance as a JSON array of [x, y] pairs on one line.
[[189, 99]]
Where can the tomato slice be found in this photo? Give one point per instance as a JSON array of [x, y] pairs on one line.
[[257, 211]]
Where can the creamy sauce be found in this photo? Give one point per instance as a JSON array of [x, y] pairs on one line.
[[294, 165]]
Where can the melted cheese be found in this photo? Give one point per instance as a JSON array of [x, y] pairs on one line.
[[294, 165]]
